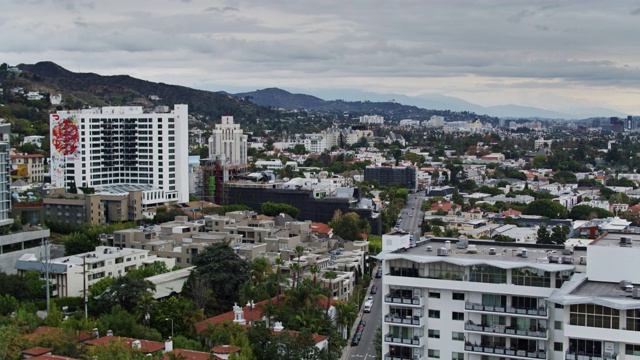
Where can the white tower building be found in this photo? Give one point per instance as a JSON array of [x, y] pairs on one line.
[[118, 149], [229, 143]]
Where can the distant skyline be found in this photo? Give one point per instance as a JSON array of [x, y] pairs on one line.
[[551, 55]]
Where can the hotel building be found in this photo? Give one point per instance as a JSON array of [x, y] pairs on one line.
[[120, 149]]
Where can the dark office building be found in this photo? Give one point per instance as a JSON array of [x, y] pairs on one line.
[[387, 175], [311, 208]]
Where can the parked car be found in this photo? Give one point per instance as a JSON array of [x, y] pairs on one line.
[[379, 273], [363, 323], [355, 341], [374, 289]]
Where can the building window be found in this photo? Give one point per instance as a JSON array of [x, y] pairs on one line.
[[557, 346], [631, 349], [633, 320], [442, 270], [557, 325], [488, 274], [531, 277], [457, 336], [598, 316], [458, 296], [434, 353], [457, 316], [434, 294], [434, 314], [457, 356], [434, 334]]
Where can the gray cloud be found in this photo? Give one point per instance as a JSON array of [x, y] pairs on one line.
[[405, 46]]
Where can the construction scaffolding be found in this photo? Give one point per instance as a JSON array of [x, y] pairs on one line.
[[213, 177]]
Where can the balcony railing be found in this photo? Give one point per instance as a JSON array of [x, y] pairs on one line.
[[501, 329], [541, 311], [416, 300], [416, 340], [408, 320], [388, 356], [540, 354], [579, 355]]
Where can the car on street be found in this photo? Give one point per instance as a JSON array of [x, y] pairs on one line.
[[379, 273], [355, 341], [374, 289]]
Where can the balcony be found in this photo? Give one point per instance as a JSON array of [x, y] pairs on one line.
[[580, 355], [502, 352], [388, 356], [541, 311], [414, 341], [502, 329], [416, 300], [408, 320]]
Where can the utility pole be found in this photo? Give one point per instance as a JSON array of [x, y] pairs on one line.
[[84, 286], [46, 270]]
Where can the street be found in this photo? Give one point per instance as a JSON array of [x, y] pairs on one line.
[[411, 220]]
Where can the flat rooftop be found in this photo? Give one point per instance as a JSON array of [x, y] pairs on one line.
[[504, 252], [601, 289], [613, 239]]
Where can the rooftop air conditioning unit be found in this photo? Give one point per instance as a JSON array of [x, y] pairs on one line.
[[636, 293], [553, 259], [492, 251], [624, 284], [625, 241], [566, 260], [442, 251]]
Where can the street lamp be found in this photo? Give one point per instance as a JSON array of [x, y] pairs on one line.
[[168, 319]]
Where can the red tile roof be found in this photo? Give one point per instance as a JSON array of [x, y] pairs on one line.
[[190, 355], [446, 206], [146, 346], [47, 331], [25, 156], [225, 349], [511, 212], [52, 357], [320, 228], [316, 337], [37, 351]]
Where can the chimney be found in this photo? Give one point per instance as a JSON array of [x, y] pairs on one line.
[[278, 327], [109, 332], [96, 333], [136, 344], [168, 345], [238, 315]]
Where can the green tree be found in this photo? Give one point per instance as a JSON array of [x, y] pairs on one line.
[[125, 291], [546, 208], [558, 234], [586, 212], [347, 226], [273, 209], [225, 272], [543, 235]]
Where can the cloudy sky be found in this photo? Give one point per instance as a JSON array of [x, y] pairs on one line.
[[552, 55]]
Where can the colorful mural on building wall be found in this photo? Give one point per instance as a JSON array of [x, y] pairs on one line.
[[64, 145]]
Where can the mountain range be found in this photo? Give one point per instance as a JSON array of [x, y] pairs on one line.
[[99, 90]]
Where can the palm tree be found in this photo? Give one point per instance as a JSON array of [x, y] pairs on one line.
[[314, 271], [295, 272], [279, 262], [331, 275], [299, 251]]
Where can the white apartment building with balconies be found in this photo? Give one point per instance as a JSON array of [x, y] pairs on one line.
[[501, 301]]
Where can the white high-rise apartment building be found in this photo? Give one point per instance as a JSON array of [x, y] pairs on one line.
[[119, 149], [5, 179], [229, 143], [492, 301], [372, 119]]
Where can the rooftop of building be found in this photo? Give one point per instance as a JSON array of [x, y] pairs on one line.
[[503, 255], [615, 239]]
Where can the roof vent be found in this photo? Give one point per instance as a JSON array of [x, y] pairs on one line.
[[624, 284], [429, 248], [625, 241]]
